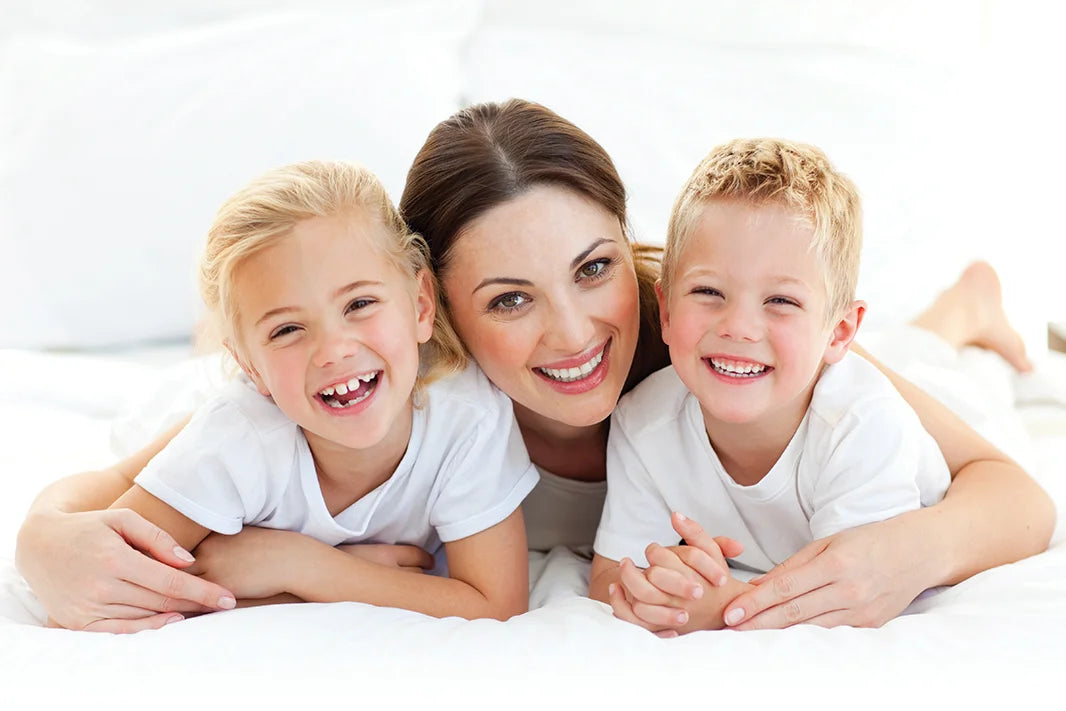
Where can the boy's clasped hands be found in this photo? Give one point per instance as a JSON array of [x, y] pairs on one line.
[[684, 588]]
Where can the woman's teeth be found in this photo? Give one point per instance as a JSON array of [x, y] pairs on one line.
[[737, 370], [569, 375]]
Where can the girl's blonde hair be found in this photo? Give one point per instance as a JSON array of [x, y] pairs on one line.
[[269, 208], [774, 171]]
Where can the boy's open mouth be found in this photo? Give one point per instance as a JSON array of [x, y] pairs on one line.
[[737, 369]]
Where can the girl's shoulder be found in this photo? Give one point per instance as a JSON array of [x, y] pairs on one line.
[[468, 393]]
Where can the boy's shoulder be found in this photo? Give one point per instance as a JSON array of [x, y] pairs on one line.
[[852, 385], [659, 397]]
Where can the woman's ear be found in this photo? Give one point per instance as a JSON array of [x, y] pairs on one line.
[[248, 369], [664, 311], [844, 332], [425, 305]]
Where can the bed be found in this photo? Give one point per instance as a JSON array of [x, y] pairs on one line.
[[124, 127]]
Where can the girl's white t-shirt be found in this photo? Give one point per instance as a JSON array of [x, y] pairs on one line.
[[241, 461]]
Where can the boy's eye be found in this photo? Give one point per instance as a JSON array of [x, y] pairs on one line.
[[508, 302], [782, 301], [706, 291]]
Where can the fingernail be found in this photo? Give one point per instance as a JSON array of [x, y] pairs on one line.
[[174, 618], [682, 618], [610, 589], [734, 616], [722, 579], [697, 592], [227, 603], [681, 517], [183, 554]]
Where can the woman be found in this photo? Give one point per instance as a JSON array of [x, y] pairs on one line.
[[525, 217]]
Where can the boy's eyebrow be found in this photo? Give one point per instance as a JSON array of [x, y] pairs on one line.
[[336, 295], [574, 263]]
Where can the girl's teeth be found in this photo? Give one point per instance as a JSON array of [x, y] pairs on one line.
[[342, 389]]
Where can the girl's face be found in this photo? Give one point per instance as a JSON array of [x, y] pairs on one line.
[[543, 292], [329, 328]]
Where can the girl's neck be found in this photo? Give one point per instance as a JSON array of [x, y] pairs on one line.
[[569, 451], [346, 475]]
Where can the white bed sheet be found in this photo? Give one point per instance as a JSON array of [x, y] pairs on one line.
[[999, 637]]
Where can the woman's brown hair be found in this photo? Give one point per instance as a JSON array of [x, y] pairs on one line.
[[490, 153]]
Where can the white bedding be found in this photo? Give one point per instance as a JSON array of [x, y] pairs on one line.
[[998, 636]]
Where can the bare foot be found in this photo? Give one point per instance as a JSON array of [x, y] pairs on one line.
[[970, 313]]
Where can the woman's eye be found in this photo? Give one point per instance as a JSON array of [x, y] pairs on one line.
[[508, 302], [593, 269]]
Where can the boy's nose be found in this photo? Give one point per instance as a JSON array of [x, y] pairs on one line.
[[738, 323]]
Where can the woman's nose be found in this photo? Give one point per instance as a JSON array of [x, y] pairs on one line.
[[568, 327]]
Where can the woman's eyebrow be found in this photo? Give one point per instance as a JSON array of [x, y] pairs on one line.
[[514, 281], [581, 257]]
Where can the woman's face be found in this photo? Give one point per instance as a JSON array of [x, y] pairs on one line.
[[543, 293]]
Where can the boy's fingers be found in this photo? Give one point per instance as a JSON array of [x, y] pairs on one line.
[[659, 616], [675, 584], [638, 586], [730, 547], [413, 557], [621, 607], [708, 567]]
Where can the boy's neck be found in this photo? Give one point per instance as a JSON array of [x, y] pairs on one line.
[[749, 450], [346, 475]]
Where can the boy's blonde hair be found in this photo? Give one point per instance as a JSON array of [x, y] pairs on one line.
[[772, 171], [269, 208]]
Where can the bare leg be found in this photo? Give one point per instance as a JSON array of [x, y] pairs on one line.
[[970, 313]]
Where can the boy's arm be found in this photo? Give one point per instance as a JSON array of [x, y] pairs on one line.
[[489, 576]]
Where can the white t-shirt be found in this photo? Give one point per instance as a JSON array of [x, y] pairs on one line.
[[859, 455], [241, 461]]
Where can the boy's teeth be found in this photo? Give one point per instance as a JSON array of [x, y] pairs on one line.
[[732, 368], [569, 375]]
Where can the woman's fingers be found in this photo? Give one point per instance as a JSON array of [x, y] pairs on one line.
[[174, 589], [128, 626], [149, 538], [778, 590]]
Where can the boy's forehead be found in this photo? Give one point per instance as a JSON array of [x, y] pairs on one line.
[[752, 218]]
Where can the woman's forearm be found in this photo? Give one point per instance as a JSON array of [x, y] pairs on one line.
[[993, 514]]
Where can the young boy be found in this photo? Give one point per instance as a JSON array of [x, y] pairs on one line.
[[765, 428]]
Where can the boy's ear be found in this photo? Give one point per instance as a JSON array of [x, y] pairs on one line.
[[664, 311], [248, 369], [425, 306], [844, 332]]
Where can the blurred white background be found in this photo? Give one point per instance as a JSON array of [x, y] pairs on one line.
[[123, 125]]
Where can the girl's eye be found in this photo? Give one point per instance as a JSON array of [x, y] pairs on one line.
[[508, 302], [358, 304], [283, 331]]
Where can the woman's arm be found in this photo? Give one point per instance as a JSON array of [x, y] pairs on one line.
[[86, 565], [993, 513]]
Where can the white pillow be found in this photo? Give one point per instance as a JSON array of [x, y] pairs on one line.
[[904, 97], [117, 147]]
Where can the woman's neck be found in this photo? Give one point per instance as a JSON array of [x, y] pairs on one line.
[[569, 451]]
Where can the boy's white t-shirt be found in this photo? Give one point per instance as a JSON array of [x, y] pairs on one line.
[[860, 455], [240, 461]]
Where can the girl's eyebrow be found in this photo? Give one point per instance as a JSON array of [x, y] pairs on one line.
[[515, 281], [281, 310]]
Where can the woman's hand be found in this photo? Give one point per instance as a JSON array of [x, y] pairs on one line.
[[110, 571], [862, 577]]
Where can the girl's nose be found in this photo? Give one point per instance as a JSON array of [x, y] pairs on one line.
[[333, 347]]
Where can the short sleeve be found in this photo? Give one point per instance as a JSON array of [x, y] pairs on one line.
[[873, 470], [213, 471], [484, 477], [635, 512]]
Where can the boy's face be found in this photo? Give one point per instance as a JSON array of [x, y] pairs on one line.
[[745, 318], [324, 311]]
